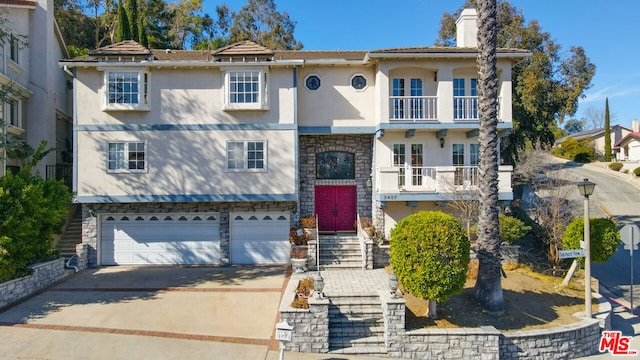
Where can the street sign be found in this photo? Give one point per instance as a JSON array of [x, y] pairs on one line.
[[573, 253], [630, 236]]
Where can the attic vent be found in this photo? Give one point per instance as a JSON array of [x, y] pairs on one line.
[[168, 51]]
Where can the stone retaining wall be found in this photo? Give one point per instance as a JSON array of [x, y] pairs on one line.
[[311, 334], [564, 342], [310, 326], [43, 275]]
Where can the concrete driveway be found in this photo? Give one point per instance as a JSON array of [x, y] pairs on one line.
[[148, 312]]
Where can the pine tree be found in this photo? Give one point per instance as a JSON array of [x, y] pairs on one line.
[[142, 34], [607, 132]]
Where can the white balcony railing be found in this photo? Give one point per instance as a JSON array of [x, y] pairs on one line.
[[439, 179], [413, 108], [465, 108]]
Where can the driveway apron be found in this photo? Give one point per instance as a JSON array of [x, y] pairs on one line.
[[232, 305]]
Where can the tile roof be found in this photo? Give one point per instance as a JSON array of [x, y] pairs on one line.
[[182, 55], [127, 47], [625, 140], [243, 48], [250, 49], [30, 3]]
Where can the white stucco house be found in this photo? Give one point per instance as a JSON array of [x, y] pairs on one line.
[[41, 104], [628, 147], [209, 157]]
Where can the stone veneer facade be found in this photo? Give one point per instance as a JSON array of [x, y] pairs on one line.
[[362, 148], [90, 218]]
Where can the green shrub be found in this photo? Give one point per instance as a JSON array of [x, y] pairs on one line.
[[32, 210], [584, 156], [512, 229], [636, 171], [615, 166], [430, 255], [604, 237]]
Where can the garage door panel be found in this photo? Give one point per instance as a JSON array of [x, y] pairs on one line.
[[260, 238], [160, 239]]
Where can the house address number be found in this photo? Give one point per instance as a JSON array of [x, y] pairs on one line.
[[389, 197]]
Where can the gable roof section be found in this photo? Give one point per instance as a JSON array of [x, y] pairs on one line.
[[243, 48], [627, 139], [123, 48]]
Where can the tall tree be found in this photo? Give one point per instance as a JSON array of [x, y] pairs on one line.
[[132, 15], [593, 118], [573, 126], [607, 132], [488, 288], [547, 86], [123, 31], [260, 22]]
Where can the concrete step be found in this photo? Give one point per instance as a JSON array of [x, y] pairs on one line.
[[340, 267], [356, 333]]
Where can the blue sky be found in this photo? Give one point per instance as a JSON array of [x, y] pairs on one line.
[[608, 32]]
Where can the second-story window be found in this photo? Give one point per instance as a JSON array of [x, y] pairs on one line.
[[126, 156], [246, 90], [126, 90], [14, 49], [246, 156]]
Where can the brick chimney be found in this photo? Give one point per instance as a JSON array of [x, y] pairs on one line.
[[467, 29]]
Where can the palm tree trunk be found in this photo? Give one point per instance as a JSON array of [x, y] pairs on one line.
[[488, 288]]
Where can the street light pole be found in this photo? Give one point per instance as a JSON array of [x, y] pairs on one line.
[[586, 189]]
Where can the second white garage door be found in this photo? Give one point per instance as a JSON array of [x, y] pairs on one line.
[[132, 239], [259, 238]]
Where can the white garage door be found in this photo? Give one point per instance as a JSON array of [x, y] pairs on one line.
[[259, 238], [132, 239]]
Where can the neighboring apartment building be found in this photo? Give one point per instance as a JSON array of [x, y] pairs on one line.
[[41, 105], [596, 136], [209, 157]]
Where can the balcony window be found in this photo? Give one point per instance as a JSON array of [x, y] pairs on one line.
[[414, 107], [14, 49], [465, 99]]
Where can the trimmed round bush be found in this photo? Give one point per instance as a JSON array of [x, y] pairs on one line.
[[604, 237], [615, 166], [512, 229], [430, 255], [583, 157], [636, 171]]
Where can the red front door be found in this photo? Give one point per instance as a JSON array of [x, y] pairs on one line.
[[336, 207]]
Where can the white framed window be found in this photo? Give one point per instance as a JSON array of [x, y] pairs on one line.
[[126, 156], [474, 154], [246, 89], [14, 49], [126, 90], [13, 113], [246, 155]]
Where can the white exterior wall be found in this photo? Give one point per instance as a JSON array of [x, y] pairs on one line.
[[185, 163], [434, 155], [336, 102], [190, 161], [183, 96], [37, 70]]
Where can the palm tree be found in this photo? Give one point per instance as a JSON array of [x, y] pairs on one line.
[[488, 288]]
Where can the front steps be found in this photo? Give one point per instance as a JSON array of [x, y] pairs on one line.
[[340, 251], [71, 236], [356, 325]]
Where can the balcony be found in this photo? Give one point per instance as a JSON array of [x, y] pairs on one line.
[[413, 108], [431, 183], [425, 108]]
